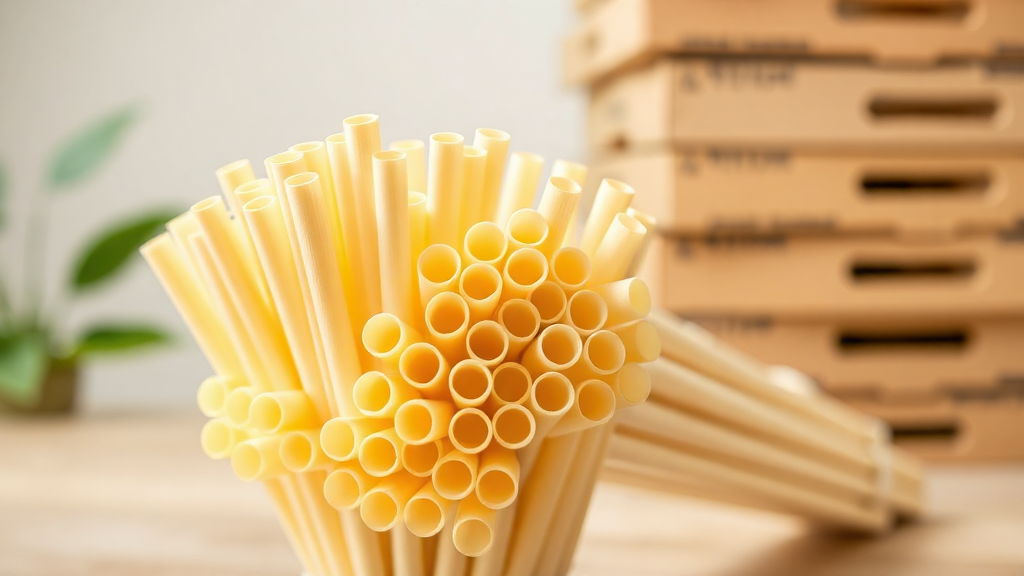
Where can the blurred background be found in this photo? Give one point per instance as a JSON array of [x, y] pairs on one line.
[[839, 188], [215, 82]]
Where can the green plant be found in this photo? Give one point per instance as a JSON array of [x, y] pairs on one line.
[[32, 342]]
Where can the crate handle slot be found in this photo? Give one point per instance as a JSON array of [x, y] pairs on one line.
[[938, 432], [866, 341], [888, 108], [925, 185], [939, 11], [863, 271]]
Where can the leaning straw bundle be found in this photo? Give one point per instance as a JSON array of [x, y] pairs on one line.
[[717, 427], [420, 372]]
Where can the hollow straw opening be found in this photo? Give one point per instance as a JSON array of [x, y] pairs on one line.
[[247, 462], [206, 204], [526, 267], [371, 393], [423, 517], [496, 488], [493, 134], [447, 138], [378, 455], [253, 187], [285, 158], [487, 341], [212, 396], [485, 242], [379, 511], [564, 184], [480, 281], [414, 422], [301, 179], [447, 313], [514, 426], [389, 155], [257, 204], [511, 383], [561, 345], [342, 490], [587, 311], [360, 119], [439, 263], [470, 430], [382, 334], [297, 452], [520, 318], [549, 299], [633, 383], [265, 413], [596, 400], [306, 146], [630, 224], [470, 383], [552, 393], [237, 407], [338, 138], [472, 537], [417, 198], [570, 267], [420, 364], [453, 479], [232, 167], [338, 440], [420, 459], [527, 227], [605, 352]]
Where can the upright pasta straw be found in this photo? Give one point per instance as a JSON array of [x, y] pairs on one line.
[[577, 173], [474, 168], [416, 160], [362, 141], [392, 199], [266, 223], [495, 143], [558, 207], [444, 188], [520, 186], [640, 256], [613, 197]]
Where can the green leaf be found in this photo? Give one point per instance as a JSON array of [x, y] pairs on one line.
[[108, 253], [3, 196], [111, 338], [23, 361], [86, 150]]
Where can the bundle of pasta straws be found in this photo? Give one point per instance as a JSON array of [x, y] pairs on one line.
[[425, 372], [418, 366]]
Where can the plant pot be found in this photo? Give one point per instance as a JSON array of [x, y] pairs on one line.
[[57, 394]]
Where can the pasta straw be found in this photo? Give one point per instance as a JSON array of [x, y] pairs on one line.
[[495, 143], [520, 187], [444, 188]]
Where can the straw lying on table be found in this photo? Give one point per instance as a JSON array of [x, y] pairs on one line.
[[420, 370]]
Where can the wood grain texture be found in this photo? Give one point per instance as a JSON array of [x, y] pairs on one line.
[[134, 495]]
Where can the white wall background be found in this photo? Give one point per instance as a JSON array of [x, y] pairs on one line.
[[220, 80]]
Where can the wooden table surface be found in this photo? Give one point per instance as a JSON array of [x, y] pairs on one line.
[[130, 495]]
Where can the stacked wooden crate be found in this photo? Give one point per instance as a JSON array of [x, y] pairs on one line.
[[840, 188]]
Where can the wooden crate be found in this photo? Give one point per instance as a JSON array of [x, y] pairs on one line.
[[618, 34], [810, 105], [886, 357], [697, 191], [838, 277]]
